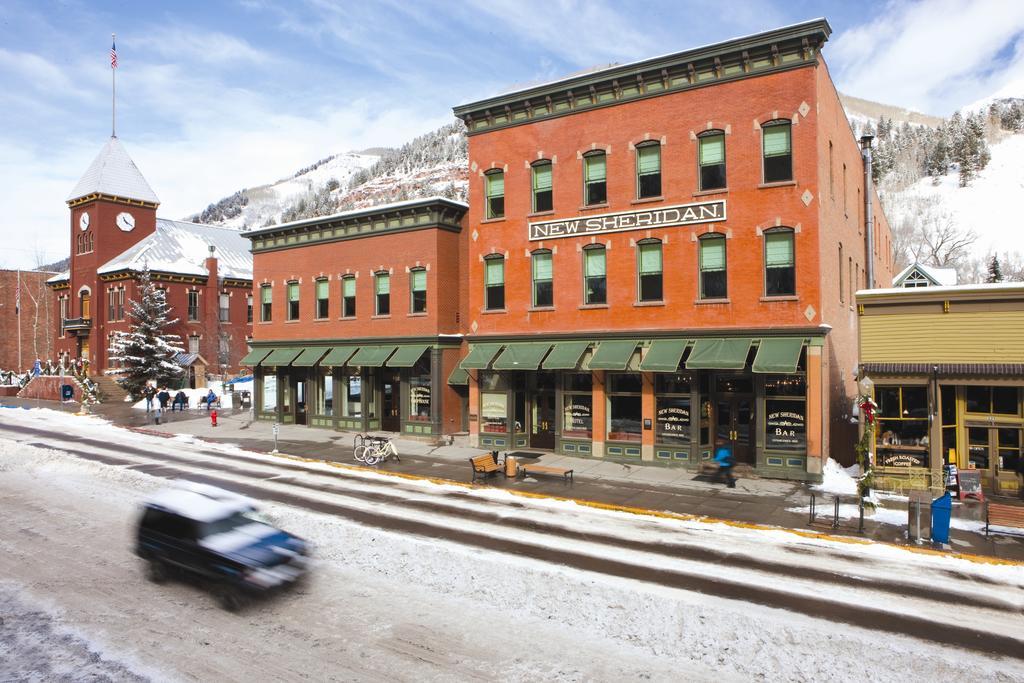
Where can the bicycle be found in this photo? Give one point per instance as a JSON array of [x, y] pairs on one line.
[[379, 450], [361, 443]]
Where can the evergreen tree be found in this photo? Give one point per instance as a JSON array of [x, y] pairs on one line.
[[146, 352], [995, 272]]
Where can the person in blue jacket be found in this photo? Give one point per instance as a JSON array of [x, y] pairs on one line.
[[211, 398], [723, 456]]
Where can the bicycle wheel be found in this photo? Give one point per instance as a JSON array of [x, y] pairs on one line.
[[373, 456], [360, 452]]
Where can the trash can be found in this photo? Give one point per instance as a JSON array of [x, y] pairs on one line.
[[511, 468], [919, 516], [942, 510], [67, 392]]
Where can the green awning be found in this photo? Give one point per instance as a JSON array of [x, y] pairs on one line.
[[613, 355], [522, 356], [310, 356], [480, 356], [407, 355], [254, 357], [338, 356], [719, 354], [372, 356], [458, 376], [566, 355], [282, 357], [664, 355], [778, 354]]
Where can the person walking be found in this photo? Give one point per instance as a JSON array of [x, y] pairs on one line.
[[723, 456], [148, 393], [164, 397]]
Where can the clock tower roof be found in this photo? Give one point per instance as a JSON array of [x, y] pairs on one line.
[[113, 172]]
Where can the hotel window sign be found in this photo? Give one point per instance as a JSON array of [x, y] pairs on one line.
[[662, 217]]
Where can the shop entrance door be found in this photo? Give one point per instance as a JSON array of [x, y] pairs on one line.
[[995, 452], [734, 420], [542, 418], [391, 402], [300, 402]]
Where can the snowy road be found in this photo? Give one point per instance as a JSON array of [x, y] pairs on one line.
[[427, 581]]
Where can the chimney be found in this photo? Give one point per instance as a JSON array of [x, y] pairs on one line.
[[869, 219]]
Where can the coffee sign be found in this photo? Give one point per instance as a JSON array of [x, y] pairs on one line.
[[661, 217]]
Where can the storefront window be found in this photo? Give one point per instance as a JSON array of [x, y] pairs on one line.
[[270, 393], [577, 406], [352, 388], [494, 411], [902, 431], [785, 405], [325, 395], [286, 397], [949, 423], [672, 408], [419, 391], [992, 400], [624, 407]]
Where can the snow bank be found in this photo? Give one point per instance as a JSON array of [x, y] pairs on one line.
[[838, 481]]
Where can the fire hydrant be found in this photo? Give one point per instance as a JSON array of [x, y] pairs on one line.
[[213, 418]]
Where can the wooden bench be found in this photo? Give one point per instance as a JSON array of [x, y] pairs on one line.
[[484, 465], [544, 469], [1004, 515]]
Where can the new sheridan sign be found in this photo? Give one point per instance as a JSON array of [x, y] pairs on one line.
[[661, 217]]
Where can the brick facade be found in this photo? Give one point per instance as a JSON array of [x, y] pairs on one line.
[[37, 315]]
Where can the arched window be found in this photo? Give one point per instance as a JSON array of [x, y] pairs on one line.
[[595, 184], [595, 275], [711, 159], [494, 190], [779, 263], [713, 281], [542, 199], [649, 271], [543, 291], [648, 170], [85, 303], [494, 282]]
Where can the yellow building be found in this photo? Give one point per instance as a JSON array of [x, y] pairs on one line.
[[946, 367]]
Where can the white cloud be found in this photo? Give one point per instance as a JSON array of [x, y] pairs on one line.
[[931, 56], [187, 44]]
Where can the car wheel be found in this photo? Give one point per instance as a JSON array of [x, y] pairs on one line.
[[229, 597], [156, 571]]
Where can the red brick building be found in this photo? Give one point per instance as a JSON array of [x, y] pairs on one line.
[[359, 318], [205, 271], [26, 309], [663, 256]]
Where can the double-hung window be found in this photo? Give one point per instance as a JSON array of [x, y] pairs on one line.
[[494, 187], [779, 263], [649, 271], [543, 294], [293, 301], [712, 160], [595, 276], [542, 200], [225, 307], [348, 297], [322, 298], [266, 299], [713, 283], [778, 151], [648, 170], [193, 306], [595, 190], [111, 305], [418, 290], [494, 283], [382, 285], [248, 308]]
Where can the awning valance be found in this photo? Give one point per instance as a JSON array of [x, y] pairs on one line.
[[254, 357], [664, 355], [407, 355], [371, 356], [458, 376], [719, 354], [522, 356], [613, 355], [281, 357], [566, 355], [480, 356], [778, 354], [310, 356], [338, 356]]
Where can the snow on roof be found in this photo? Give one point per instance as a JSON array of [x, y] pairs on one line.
[[113, 172], [60, 277], [201, 503], [943, 277], [181, 247], [944, 289]]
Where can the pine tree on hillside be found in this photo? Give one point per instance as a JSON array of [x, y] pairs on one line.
[[995, 272], [146, 352]]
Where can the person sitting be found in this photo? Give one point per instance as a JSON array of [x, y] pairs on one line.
[[211, 398], [180, 401]]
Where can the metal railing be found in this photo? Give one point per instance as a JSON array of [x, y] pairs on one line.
[[836, 501]]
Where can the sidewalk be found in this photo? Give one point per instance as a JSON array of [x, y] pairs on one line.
[[648, 487]]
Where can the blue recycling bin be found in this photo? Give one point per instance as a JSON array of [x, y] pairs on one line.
[[67, 392], [942, 510]]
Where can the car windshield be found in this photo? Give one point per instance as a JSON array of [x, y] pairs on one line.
[[221, 526]]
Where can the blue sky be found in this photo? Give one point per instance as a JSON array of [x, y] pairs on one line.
[[216, 96]]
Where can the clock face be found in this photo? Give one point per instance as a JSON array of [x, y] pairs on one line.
[[83, 221], [125, 221]]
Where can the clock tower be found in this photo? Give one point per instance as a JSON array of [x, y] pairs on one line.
[[112, 209]]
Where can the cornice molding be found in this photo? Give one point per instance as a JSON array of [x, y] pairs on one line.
[[72, 203]]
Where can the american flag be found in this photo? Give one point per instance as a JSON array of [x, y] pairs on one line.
[[113, 55]]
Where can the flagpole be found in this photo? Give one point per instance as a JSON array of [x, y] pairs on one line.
[[113, 94]]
